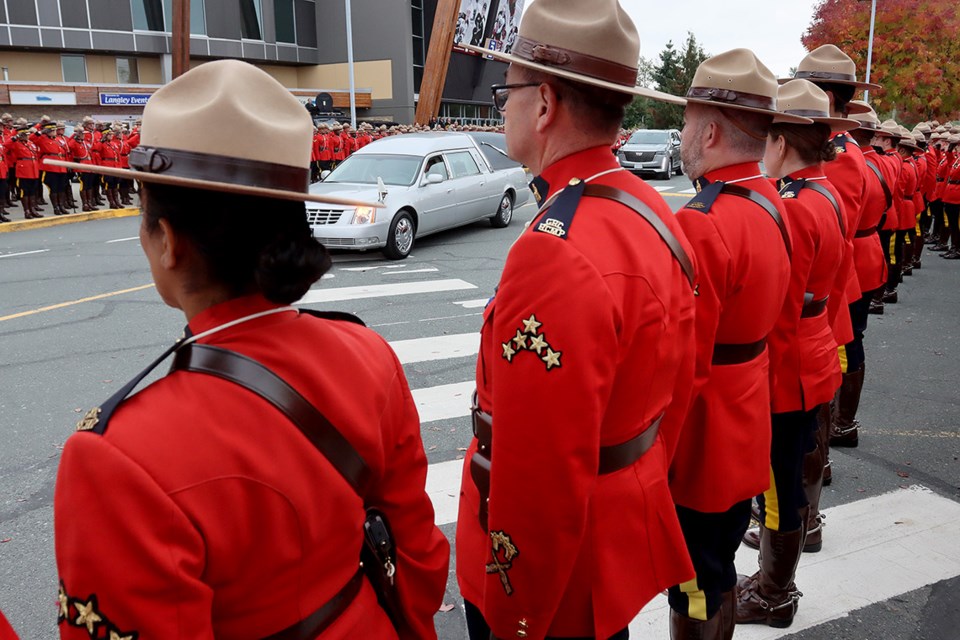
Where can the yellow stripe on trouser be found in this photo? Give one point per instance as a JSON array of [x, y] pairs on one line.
[[696, 600], [893, 248], [771, 505], [918, 224], [842, 352]]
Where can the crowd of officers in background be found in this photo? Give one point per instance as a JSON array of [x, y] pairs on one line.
[[25, 146]]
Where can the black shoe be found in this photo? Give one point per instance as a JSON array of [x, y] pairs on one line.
[[876, 307], [939, 247], [890, 297], [953, 254]]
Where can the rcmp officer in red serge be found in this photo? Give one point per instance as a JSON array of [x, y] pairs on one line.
[[804, 368], [194, 508], [566, 528], [739, 231]]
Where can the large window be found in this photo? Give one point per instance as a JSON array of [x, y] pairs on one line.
[[250, 20], [74, 68], [157, 15], [416, 14], [283, 16], [127, 71]]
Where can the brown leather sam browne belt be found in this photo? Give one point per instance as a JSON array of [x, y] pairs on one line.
[[612, 458], [737, 353]]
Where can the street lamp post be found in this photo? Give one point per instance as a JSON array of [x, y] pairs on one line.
[[873, 19], [353, 90]]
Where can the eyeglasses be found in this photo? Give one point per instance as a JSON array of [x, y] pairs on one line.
[[502, 91]]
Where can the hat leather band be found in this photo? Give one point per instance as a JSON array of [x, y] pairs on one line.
[[807, 113], [216, 168], [732, 98], [825, 75], [575, 62]]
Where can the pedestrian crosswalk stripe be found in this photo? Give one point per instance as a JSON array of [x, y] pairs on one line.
[[383, 290], [394, 273], [437, 347], [689, 191], [443, 487], [663, 188], [873, 550], [473, 304], [444, 401]]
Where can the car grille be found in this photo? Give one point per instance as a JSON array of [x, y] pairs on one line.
[[337, 242], [645, 156], [323, 216]]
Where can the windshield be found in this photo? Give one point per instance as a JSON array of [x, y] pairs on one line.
[[366, 168], [648, 137]]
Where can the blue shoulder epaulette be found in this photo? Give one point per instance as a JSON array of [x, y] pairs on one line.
[[790, 188], [840, 142], [557, 219], [540, 189], [707, 194]]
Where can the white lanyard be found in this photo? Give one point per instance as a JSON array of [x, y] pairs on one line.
[[234, 323]]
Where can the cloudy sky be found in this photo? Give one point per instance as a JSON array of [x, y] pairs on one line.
[[771, 29]]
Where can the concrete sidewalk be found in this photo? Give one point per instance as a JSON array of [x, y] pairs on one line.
[[18, 223]]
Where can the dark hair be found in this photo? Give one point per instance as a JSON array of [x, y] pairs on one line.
[[811, 141], [862, 136], [601, 109], [842, 94], [247, 244]]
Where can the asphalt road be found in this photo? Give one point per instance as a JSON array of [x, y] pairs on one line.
[[78, 318]]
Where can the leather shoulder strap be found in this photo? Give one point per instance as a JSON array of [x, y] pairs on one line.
[[887, 194], [766, 205], [822, 190], [632, 202], [253, 376]]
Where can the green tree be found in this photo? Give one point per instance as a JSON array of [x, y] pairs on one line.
[[672, 74]]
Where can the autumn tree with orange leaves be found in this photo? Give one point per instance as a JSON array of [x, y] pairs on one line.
[[916, 52]]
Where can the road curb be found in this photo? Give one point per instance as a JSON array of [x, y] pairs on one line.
[[49, 220]]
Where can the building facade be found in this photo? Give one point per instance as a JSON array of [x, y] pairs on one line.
[[69, 58]]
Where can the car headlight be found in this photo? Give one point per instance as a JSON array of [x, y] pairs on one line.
[[364, 215]]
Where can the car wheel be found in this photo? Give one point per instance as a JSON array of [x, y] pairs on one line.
[[400, 237], [504, 213]]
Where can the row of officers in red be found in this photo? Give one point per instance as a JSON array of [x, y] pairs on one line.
[[642, 376], [24, 147]]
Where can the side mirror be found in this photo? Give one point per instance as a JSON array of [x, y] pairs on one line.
[[434, 178], [324, 174]]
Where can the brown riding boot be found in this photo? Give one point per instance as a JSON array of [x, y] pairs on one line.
[[728, 612], [56, 199], [824, 424], [3, 213], [770, 596], [116, 198], [843, 432], [71, 202], [125, 194], [814, 471], [85, 199], [685, 628], [30, 204]]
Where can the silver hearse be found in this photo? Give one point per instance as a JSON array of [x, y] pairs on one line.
[[428, 182], [652, 151]]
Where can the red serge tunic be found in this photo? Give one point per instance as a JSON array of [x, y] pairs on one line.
[[51, 148], [943, 171], [951, 193], [805, 370], [930, 177], [6, 631], [202, 512], [919, 198], [908, 180], [868, 253], [589, 334], [23, 155], [723, 455]]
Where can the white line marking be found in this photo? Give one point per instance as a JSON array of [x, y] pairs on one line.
[[873, 550], [122, 240], [395, 273], [24, 253], [437, 347], [690, 191], [444, 401], [372, 267], [462, 315], [662, 188], [443, 487], [359, 257], [384, 290], [473, 304]]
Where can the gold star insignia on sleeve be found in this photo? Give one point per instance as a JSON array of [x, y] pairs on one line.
[[551, 358], [87, 615], [116, 635], [530, 325], [508, 351], [520, 340], [90, 420], [537, 344], [64, 604]]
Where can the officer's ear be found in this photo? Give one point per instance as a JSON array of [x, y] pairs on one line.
[[547, 106]]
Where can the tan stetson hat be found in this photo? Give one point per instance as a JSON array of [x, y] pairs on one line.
[[954, 139], [595, 43], [736, 79], [865, 115], [924, 127], [889, 129], [906, 139], [189, 136], [805, 99], [827, 63]]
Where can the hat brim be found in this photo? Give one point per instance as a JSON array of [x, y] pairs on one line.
[[643, 92], [785, 118], [226, 187], [855, 109], [862, 86], [839, 124]]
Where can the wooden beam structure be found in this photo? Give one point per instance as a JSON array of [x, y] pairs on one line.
[[181, 37], [438, 60]]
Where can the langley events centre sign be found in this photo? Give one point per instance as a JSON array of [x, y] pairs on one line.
[[124, 99]]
